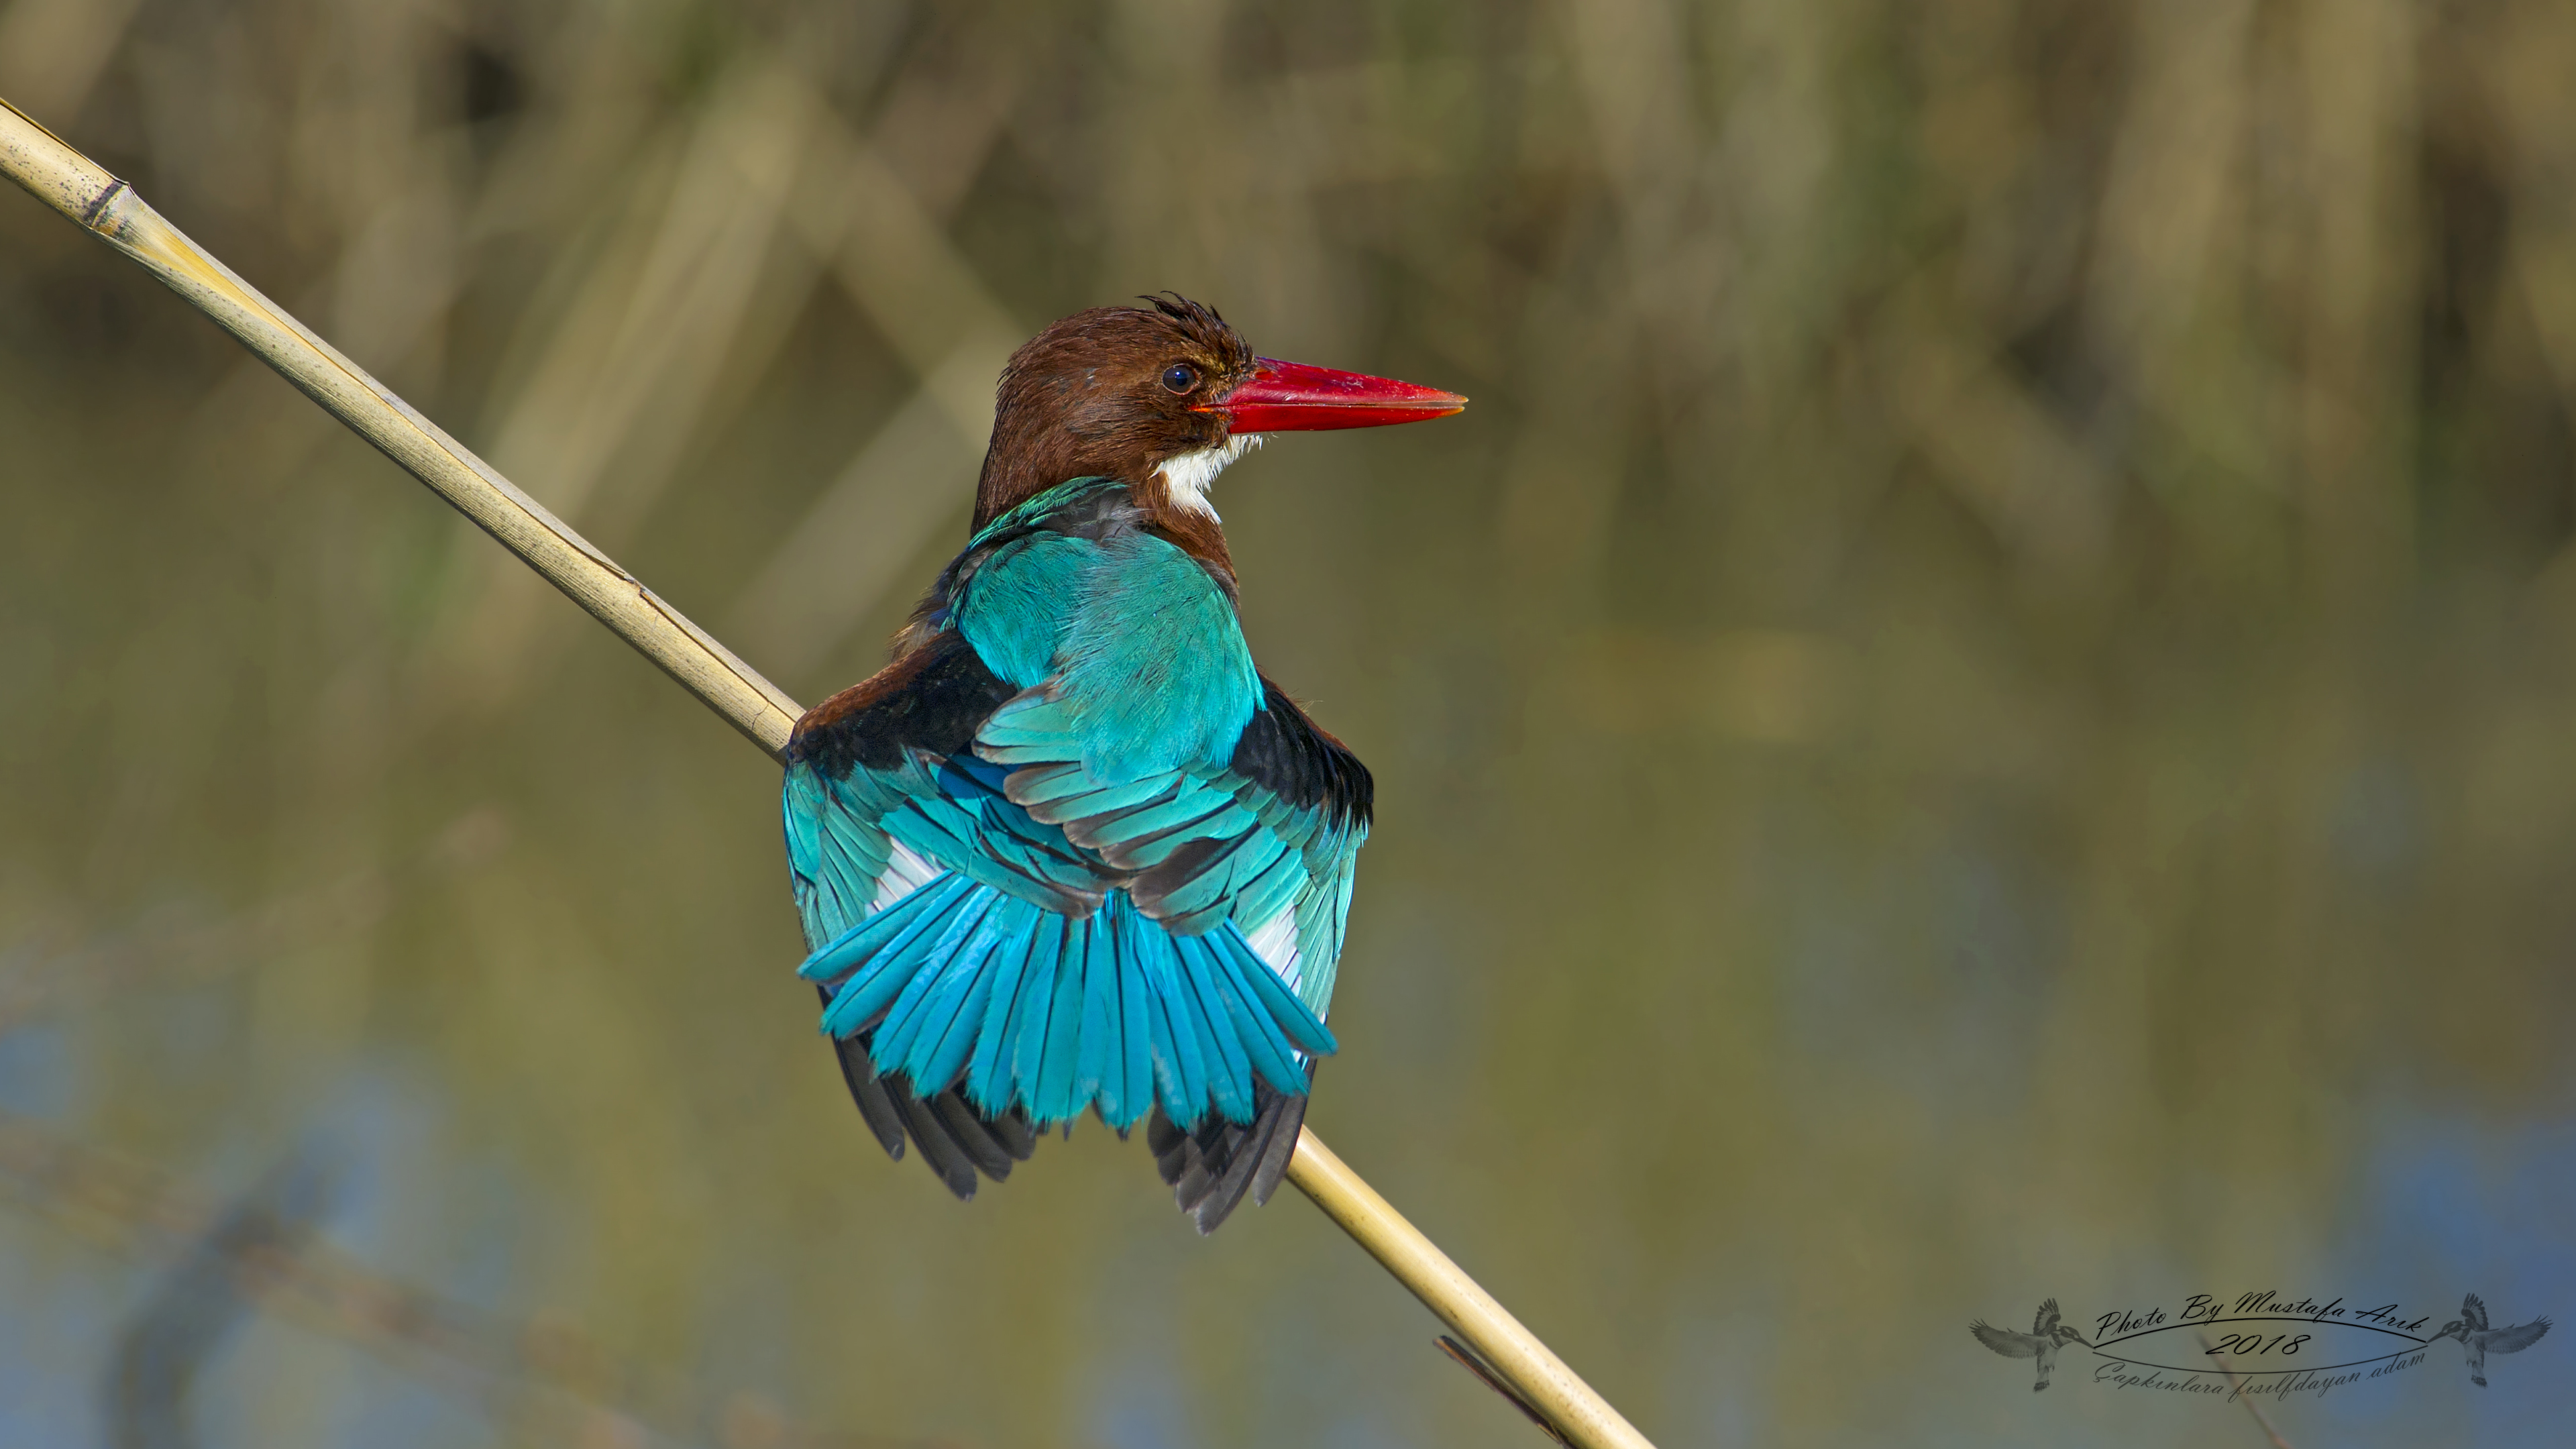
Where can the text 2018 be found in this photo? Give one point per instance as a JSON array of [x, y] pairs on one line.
[[2250, 1343]]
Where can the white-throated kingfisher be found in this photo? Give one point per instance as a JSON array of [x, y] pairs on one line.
[[1070, 851]]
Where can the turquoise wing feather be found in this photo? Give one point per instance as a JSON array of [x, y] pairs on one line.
[[1268, 852]]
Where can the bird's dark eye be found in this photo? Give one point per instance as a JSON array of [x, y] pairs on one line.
[[1180, 377]]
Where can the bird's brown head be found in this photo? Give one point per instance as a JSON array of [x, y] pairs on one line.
[[1162, 397]]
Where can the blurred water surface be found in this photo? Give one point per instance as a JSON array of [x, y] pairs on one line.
[[1980, 709]]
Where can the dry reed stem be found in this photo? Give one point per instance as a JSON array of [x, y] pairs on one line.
[[85, 192], [82, 190]]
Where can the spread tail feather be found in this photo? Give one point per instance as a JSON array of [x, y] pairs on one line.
[[961, 988]]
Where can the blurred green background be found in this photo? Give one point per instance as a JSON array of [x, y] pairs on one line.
[[1980, 709]]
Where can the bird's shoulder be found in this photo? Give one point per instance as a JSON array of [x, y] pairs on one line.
[[931, 698]]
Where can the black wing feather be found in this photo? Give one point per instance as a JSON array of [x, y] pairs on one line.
[[1272, 1168], [1211, 1171], [948, 1160], [868, 1090], [1286, 752], [971, 1136]]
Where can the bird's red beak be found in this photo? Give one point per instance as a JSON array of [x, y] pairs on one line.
[[1292, 397]]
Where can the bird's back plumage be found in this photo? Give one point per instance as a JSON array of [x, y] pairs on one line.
[[1072, 852]]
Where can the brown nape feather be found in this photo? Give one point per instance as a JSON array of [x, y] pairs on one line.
[[1086, 398]]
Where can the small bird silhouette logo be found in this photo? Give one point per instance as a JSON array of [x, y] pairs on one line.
[[2047, 1335], [2470, 1328]]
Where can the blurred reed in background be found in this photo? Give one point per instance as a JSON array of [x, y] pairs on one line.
[[1979, 708]]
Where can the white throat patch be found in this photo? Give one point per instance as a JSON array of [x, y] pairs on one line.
[[1188, 475]]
